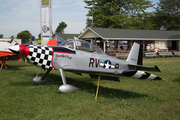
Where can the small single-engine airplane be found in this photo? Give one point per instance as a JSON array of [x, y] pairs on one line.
[[5, 54], [79, 56]]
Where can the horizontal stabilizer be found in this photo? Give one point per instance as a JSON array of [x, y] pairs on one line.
[[105, 77], [145, 68]]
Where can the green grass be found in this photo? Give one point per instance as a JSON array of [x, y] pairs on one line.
[[21, 99]]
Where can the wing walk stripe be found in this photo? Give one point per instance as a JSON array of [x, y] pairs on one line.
[[157, 78], [140, 75], [129, 73], [151, 77], [145, 76]]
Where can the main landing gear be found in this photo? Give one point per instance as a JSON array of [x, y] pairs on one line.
[[65, 88], [3, 65]]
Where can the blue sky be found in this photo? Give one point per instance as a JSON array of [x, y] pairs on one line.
[[20, 15]]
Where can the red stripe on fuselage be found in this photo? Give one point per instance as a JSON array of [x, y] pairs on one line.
[[52, 59], [61, 53]]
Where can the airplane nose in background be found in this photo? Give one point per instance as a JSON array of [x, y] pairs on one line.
[[14, 49]]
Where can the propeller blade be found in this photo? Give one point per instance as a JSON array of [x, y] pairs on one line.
[[16, 49], [24, 59]]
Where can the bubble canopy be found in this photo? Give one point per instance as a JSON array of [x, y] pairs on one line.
[[82, 46]]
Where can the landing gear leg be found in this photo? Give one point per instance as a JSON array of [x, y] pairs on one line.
[[3, 65], [42, 79], [66, 88]]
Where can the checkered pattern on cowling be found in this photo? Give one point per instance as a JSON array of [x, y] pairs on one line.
[[40, 56]]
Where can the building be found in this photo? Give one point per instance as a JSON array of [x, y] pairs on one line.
[[162, 40]]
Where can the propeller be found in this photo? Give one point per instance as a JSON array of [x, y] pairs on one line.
[[16, 49], [21, 55]]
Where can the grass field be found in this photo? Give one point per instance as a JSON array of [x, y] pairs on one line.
[[21, 99]]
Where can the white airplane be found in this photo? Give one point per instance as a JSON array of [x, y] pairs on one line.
[[6, 54], [79, 56]]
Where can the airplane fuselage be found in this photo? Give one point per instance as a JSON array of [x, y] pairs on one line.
[[57, 57], [86, 59]]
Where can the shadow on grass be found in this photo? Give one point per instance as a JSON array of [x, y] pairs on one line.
[[16, 67], [85, 85], [104, 91], [177, 79]]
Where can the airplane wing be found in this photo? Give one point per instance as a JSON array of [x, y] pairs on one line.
[[98, 71], [106, 74], [112, 72], [8, 55]]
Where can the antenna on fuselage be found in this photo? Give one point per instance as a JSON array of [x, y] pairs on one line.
[[75, 38]]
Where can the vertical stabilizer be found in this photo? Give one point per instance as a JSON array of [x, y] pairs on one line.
[[13, 42], [136, 54]]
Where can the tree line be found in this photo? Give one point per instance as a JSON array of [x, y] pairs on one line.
[[27, 36], [124, 14], [133, 14]]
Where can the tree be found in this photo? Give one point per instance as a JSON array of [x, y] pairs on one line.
[[61, 27], [39, 36], [128, 14], [25, 36], [12, 36], [33, 38], [167, 15], [1, 35]]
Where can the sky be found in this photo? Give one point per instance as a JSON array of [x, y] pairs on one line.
[[20, 15]]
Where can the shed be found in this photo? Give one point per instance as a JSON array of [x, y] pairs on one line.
[[162, 40]]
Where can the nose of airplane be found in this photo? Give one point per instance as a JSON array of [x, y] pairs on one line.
[[14, 49]]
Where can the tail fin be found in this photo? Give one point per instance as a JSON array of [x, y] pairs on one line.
[[13, 42], [136, 54]]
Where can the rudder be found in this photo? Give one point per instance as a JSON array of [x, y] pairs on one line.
[[136, 54]]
